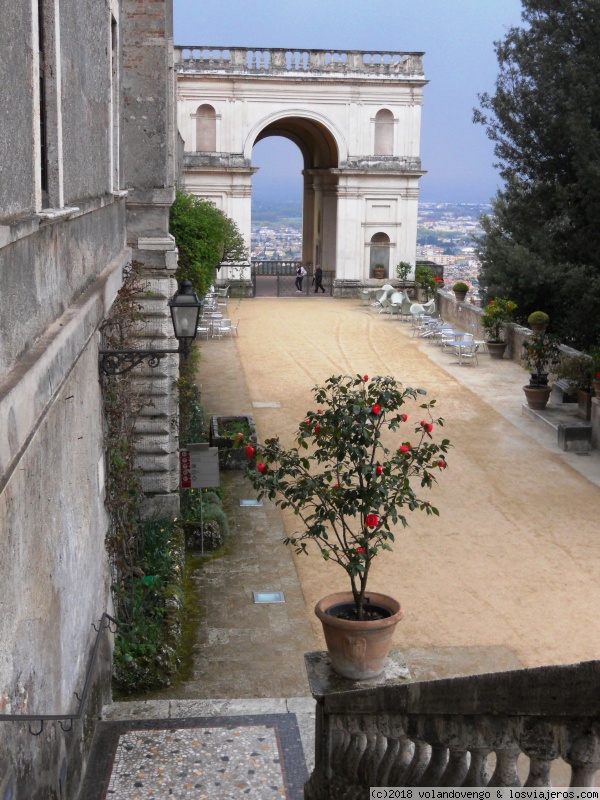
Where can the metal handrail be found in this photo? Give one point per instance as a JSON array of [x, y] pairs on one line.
[[106, 621]]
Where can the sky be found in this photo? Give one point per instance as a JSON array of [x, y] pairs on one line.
[[460, 63]]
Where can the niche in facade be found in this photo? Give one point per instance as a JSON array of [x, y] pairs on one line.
[[384, 133], [379, 252], [206, 129]]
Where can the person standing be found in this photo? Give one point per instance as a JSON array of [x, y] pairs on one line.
[[300, 273], [319, 279]]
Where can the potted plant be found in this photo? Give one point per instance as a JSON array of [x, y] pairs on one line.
[[425, 281], [579, 370], [379, 271], [460, 290], [403, 270], [541, 352], [497, 313], [349, 491], [538, 321]]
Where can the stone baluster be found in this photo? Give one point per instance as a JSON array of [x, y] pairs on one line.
[[356, 62], [478, 774], [538, 739], [373, 752], [582, 753], [355, 747], [339, 742], [398, 754], [501, 738], [450, 731], [439, 752], [421, 755]]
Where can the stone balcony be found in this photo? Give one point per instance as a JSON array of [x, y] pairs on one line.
[[355, 64]]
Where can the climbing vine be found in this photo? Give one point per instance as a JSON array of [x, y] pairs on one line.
[[146, 558]]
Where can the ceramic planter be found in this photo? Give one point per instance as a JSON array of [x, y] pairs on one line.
[[496, 349], [358, 650], [379, 272], [460, 296], [537, 396]]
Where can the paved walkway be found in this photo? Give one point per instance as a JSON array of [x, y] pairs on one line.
[[507, 575]]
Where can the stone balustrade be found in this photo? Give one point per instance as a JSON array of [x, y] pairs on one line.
[[265, 61], [481, 730]]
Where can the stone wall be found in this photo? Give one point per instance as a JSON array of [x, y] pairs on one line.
[[62, 253]]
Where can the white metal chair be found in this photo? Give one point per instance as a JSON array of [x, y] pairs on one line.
[[225, 327], [467, 352], [235, 326]]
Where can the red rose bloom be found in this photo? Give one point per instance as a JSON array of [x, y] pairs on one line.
[[365, 378], [249, 451], [371, 520], [427, 426], [403, 448], [360, 549], [403, 417], [317, 428], [260, 466], [378, 469], [375, 409], [442, 464]]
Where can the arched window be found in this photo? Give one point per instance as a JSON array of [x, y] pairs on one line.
[[206, 129], [380, 252], [384, 133]]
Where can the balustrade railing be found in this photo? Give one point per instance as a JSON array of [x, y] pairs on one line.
[[272, 60], [468, 731]]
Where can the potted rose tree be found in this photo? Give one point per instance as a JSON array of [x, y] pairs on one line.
[[497, 313], [350, 491]]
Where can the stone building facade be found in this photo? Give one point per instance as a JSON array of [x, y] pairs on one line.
[[87, 143], [356, 119]]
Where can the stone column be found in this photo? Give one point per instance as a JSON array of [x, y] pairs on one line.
[[149, 168]]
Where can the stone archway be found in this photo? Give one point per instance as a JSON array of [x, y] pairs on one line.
[[355, 117], [320, 154]]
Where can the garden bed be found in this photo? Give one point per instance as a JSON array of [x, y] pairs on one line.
[[224, 433]]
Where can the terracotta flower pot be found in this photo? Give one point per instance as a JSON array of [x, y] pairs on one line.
[[539, 328], [537, 396], [596, 385], [460, 296], [358, 650], [496, 349]]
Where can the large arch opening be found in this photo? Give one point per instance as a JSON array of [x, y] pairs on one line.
[[296, 146]]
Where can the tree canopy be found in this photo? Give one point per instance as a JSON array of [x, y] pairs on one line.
[[541, 244], [205, 238]]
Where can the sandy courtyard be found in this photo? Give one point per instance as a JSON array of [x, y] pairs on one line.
[[514, 557]]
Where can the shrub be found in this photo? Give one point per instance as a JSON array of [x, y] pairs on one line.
[[147, 645], [538, 318], [460, 286]]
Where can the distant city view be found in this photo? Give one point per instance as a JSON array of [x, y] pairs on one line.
[[446, 235]]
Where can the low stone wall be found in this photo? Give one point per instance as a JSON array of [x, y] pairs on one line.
[[466, 316]]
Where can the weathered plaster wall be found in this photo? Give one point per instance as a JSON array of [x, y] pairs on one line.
[[16, 112], [53, 584], [43, 274]]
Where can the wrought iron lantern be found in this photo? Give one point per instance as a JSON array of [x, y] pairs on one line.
[[185, 307]]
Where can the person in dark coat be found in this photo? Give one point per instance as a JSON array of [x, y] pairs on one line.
[[319, 279]]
